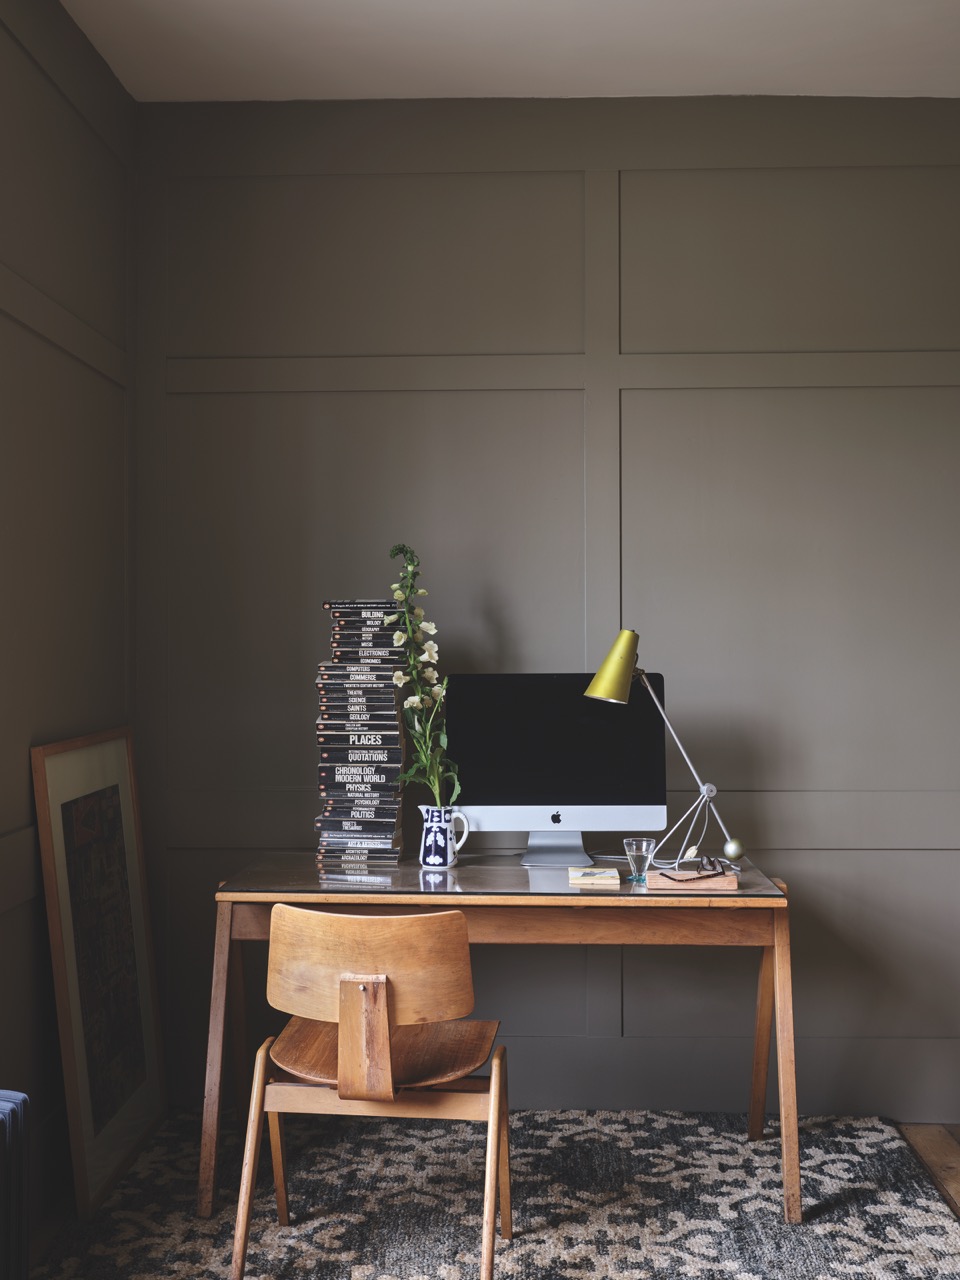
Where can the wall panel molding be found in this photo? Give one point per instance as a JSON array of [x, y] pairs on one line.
[[27, 305], [280, 818], [791, 369], [277, 375], [601, 415]]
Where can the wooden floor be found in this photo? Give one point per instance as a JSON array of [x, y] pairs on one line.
[[938, 1146]]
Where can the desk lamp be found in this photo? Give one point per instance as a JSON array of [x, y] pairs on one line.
[[612, 683]]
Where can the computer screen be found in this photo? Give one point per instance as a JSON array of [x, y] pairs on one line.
[[536, 756]]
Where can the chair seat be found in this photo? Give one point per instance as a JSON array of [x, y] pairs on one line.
[[421, 1054]]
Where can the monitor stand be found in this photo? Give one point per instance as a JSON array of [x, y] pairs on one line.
[[555, 849]]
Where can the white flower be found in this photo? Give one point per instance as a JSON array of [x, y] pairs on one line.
[[398, 638], [421, 591], [418, 612], [430, 652], [388, 622], [398, 595], [437, 692], [429, 627], [400, 678], [430, 675], [418, 636], [412, 701], [394, 586]]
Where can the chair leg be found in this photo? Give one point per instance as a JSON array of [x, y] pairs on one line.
[[503, 1180], [493, 1165], [278, 1155], [251, 1158]]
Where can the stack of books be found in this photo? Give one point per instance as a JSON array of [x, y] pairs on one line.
[[360, 736]]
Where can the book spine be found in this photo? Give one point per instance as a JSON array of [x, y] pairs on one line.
[[361, 642], [356, 626], [364, 738], [352, 727], [330, 822], [365, 603], [341, 694], [348, 720], [336, 848], [378, 828], [382, 807], [351, 877], [360, 854], [362, 637], [359, 656], [341, 672], [385, 715], [362, 755], [343, 697], [354, 673], [356, 864], [372, 777], [373, 611], [388, 803]]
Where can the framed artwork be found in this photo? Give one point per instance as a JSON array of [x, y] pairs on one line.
[[94, 884]]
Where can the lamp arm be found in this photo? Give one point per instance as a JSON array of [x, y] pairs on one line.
[[673, 733], [707, 789]]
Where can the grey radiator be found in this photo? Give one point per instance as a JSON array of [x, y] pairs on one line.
[[14, 1251]]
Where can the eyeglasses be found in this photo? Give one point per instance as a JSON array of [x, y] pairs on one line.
[[708, 869]]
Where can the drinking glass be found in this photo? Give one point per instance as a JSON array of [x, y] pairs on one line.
[[639, 853]]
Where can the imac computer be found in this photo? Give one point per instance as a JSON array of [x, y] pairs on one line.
[[536, 756]]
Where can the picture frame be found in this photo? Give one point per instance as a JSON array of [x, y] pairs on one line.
[[94, 881]]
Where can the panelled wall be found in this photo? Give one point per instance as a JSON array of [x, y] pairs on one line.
[[689, 366], [66, 643]]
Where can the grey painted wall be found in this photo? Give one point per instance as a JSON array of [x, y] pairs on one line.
[[690, 365], [687, 366], [66, 142]]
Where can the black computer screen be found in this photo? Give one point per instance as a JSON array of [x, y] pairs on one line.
[[535, 739]]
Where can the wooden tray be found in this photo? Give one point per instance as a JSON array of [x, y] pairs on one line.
[[677, 881]]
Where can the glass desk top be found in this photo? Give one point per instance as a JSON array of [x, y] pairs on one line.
[[479, 874]]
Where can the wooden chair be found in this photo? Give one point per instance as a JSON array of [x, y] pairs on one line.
[[375, 1003]]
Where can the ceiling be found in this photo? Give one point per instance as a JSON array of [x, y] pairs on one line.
[[229, 50]]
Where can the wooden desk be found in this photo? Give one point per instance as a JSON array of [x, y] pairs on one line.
[[504, 903]]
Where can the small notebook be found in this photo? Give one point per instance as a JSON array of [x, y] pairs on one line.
[[594, 877]]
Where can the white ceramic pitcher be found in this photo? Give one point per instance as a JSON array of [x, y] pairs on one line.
[[439, 844]]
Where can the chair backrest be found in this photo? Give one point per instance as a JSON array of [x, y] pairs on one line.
[[426, 960]]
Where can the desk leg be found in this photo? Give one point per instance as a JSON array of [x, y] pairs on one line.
[[237, 1027], [761, 1046], [786, 1069], [210, 1131]]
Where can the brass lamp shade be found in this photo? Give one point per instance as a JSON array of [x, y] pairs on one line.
[[615, 674]]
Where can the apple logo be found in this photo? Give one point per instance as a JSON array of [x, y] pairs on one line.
[[555, 818]]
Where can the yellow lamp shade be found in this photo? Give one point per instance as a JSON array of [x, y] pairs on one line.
[[615, 674]]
